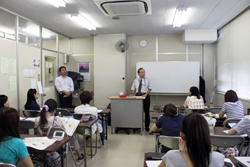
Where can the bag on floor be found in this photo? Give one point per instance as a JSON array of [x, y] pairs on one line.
[[230, 152]]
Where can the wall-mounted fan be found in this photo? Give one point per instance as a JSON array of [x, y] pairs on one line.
[[121, 45]]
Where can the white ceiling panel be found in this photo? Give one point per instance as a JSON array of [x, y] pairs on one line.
[[203, 14]]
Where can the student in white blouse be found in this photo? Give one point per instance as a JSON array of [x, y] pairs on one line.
[[85, 108], [194, 100], [65, 87]]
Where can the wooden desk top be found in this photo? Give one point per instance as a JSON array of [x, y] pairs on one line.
[[126, 98], [88, 124], [54, 147], [104, 111], [219, 130]]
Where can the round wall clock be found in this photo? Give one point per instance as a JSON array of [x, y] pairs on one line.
[[143, 43]]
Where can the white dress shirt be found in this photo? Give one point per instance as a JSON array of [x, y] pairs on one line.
[[144, 87], [87, 109], [64, 84]]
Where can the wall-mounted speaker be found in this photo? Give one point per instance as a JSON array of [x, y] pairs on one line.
[[66, 58]]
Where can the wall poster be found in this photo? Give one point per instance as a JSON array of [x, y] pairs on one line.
[[84, 69]]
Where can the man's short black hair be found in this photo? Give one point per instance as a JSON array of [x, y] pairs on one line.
[[62, 67], [139, 70]]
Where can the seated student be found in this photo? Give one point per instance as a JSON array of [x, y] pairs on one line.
[[195, 150], [194, 100], [47, 119], [4, 101], [85, 108], [232, 106], [12, 147], [31, 103], [170, 123], [242, 126]]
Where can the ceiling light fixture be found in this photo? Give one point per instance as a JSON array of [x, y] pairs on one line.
[[79, 19], [179, 17], [57, 3], [35, 32]]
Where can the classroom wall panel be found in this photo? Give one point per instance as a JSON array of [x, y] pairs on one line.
[[26, 56], [83, 46], [172, 57], [49, 44], [194, 48], [170, 44], [64, 45], [8, 51], [52, 90]]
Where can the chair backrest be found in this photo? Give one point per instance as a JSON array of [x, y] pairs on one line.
[[162, 108], [231, 120], [27, 124], [6, 165], [31, 113], [64, 112], [215, 110], [191, 110], [167, 141], [227, 141], [77, 116]]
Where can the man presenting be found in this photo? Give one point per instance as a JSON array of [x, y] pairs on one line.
[[142, 87], [65, 87]]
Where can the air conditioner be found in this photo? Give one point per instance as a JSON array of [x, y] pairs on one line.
[[124, 8]]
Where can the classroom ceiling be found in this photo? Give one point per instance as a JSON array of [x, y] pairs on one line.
[[203, 14]]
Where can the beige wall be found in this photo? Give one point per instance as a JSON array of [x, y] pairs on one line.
[[8, 51], [26, 56]]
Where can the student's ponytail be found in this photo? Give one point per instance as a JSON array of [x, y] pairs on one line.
[[43, 119]]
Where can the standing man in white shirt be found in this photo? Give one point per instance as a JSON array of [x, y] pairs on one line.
[[65, 87], [142, 88]]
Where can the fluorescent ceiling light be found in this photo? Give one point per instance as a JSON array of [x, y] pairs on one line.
[[57, 3], [179, 17], [79, 19], [35, 31]]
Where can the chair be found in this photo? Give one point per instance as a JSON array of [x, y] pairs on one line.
[[227, 141], [190, 110], [64, 112], [231, 120], [167, 141], [31, 113], [214, 110], [6, 165], [24, 124], [79, 130]]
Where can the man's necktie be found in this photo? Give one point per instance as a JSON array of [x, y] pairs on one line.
[[139, 90]]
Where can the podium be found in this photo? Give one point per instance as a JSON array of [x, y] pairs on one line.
[[127, 112]]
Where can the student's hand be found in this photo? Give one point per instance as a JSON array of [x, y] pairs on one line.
[[144, 95], [182, 145]]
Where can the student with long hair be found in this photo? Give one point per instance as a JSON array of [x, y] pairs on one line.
[[31, 103], [194, 100], [170, 123], [12, 147], [232, 106], [47, 119], [195, 146], [4, 101]]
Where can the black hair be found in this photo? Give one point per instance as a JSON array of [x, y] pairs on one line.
[[51, 103], [3, 99], [195, 92], [138, 71], [197, 137], [9, 123], [62, 67], [231, 96], [86, 97], [170, 110], [30, 98]]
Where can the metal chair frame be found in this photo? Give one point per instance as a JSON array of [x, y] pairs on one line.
[[168, 141]]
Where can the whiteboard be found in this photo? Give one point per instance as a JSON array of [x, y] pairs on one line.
[[172, 76]]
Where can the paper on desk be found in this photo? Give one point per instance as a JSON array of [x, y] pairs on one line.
[[28, 119], [243, 135], [244, 160], [154, 163], [231, 124], [39, 143], [228, 160], [99, 111]]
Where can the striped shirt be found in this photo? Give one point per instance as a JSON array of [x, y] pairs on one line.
[[194, 102], [233, 110]]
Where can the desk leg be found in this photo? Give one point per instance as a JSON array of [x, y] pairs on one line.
[[103, 135], [45, 160], [106, 127], [91, 142], [84, 147], [62, 160]]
